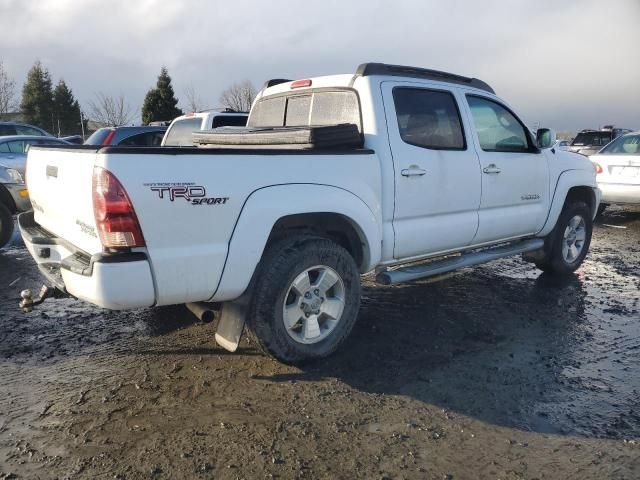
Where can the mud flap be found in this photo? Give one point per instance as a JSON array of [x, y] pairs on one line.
[[231, 325]]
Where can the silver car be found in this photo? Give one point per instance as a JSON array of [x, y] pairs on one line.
[[14, 198], [618, 170], [13, 149]]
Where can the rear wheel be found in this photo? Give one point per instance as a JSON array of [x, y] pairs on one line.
[[305, 299], [568, 243], [6, 225]]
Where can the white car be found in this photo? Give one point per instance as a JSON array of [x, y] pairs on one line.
[[336, 176], [618, 170], [179, 132]]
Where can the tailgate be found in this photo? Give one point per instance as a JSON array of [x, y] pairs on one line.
[[60, 188]]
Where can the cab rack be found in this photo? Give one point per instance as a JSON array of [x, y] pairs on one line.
[[367, 69]]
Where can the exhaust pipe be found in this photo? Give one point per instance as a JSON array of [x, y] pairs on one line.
[[202, 310]]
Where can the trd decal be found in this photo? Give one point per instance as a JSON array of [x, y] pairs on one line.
[[194, 194]]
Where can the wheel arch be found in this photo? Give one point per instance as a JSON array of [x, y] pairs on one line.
[[572, 185], [7, 200], [271, 213]]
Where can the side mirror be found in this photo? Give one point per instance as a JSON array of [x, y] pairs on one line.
[[545, 138]]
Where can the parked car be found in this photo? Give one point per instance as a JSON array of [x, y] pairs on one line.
[[333, 177], [618, 170], [146, 136], [75, 139], [13, 149], [562, 144], [179, 133], [17, 128], [14, 198], [589, 142]]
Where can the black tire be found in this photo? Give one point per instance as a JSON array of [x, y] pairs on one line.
[[281, 264], [601, 208], [554, 261], [6, 225]]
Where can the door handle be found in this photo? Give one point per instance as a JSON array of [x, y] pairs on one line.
[[491, 169], [413, 171]]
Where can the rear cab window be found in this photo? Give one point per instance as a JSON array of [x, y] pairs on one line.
[[311, 107], [229, 121], [179, 134]]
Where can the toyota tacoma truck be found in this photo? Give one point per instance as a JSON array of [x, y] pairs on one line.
[[434, 173]]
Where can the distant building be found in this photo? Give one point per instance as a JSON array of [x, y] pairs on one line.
[[12, 117]]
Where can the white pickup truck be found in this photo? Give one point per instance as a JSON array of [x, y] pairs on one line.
[[445, 176]]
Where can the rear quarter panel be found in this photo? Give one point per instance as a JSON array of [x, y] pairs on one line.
[[188, 241]]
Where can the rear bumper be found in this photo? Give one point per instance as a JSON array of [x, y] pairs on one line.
[[117, 281], [619, 193]]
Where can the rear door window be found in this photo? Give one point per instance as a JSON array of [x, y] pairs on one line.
[[16, 146], [179, 134], [428, 118], [145, 139]]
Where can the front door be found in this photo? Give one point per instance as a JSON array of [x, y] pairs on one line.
[[515, 177], [437, 173]]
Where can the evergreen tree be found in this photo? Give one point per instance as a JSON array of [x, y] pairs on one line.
[[160, 102], [66, 110], [37, 98]]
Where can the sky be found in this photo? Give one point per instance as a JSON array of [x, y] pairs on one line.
[[563, 64]]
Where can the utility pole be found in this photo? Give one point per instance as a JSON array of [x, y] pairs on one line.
[[82, 125]]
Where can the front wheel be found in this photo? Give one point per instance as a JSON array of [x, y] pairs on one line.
[[305, 299], [6, 225], [568, 243]]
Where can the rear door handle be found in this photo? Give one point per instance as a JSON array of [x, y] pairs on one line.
[[413, 171], [491, 169]]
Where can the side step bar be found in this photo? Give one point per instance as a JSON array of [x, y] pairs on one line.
[[437, 267]]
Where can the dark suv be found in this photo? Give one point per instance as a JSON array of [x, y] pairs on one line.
[[589, 142], [148, 136], [16, 128]]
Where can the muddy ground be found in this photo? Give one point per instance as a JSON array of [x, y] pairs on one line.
[[496, 372]]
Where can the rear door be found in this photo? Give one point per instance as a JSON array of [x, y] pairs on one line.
[[515, 176], [437, 174]]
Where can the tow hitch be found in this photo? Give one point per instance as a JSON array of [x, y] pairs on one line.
[[28, 301]]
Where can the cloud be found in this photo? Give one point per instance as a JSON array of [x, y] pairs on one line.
[[565, 64]]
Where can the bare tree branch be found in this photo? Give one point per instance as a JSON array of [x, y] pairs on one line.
[[239, 96], [7, 91], [108, 110], [194, 101]]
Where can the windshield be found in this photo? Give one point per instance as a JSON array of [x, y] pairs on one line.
[[626, 145], [598, 139]]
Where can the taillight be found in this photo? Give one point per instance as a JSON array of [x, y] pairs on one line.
[[107, 140], [597, 167], [116, 220]]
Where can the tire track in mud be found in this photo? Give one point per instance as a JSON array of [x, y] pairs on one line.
[[494, 372]]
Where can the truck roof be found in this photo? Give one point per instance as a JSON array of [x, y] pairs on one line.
[[279, 85]]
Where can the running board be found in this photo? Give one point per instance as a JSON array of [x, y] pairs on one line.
[[414, 272]]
